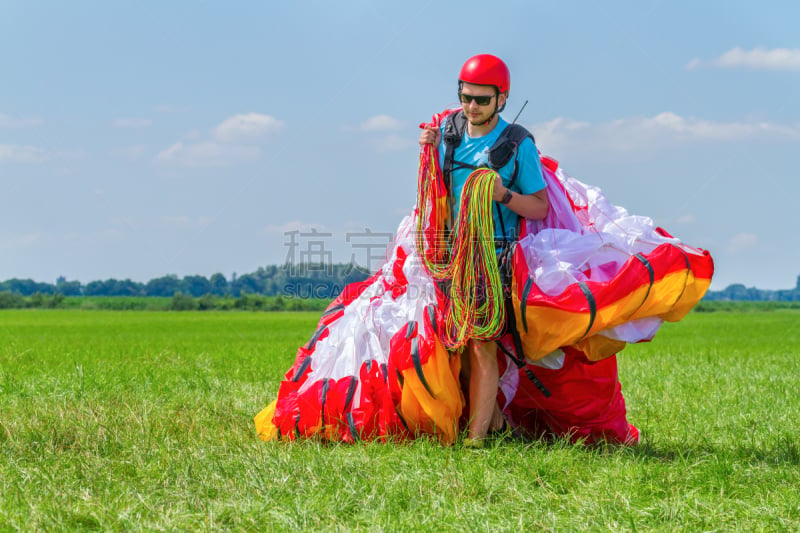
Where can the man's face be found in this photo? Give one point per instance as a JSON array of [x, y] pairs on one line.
[[480, 114]]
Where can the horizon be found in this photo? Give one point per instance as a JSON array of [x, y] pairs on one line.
[[235, 275]]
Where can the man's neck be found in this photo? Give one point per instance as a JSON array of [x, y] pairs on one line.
[[482, 129]]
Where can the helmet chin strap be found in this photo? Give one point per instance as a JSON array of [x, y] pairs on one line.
[[496, 110]]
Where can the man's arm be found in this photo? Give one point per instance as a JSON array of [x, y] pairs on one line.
[[531, 201], [532, 206]]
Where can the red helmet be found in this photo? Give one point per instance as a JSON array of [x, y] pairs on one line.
[[486, 69]]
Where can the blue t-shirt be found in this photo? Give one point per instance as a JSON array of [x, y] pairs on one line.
[[475, 151]]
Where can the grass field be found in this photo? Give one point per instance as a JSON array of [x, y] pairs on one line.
[[143, 421]]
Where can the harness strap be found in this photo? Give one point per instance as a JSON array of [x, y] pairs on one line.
[[518, 354], [501, 152], [511, 322]]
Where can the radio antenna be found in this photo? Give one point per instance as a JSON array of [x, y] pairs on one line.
[[520, 112]]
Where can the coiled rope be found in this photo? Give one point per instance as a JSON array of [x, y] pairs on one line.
[[475, 307]]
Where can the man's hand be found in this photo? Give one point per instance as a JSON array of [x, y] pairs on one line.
[[531, 206], [499, 189], [430, 135]]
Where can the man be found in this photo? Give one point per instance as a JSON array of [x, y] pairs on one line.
[[483, 86]]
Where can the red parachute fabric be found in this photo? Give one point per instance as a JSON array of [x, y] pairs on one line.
[[585, 402]]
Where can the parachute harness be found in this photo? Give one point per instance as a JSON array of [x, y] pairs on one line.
[[466, 262]]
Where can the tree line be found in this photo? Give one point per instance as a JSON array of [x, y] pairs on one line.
[[178, 302], [307, 281], [739, 293], [303, 281]]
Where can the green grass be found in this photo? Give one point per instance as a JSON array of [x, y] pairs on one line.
[[143, 421]]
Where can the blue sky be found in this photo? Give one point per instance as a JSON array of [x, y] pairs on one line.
[[149, 138]]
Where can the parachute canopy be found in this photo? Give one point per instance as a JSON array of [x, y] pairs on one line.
[[586, 280]]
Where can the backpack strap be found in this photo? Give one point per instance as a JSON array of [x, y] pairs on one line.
[[501, 152], [453, 135], [506, 147]]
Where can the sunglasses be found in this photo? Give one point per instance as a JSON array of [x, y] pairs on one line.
[[480, 100]]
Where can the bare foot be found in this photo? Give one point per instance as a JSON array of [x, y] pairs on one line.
[[497, 419]]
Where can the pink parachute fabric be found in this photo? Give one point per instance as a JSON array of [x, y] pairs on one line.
[[586, 280]]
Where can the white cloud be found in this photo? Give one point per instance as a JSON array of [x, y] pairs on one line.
[[697, 129], [694, 64], [391, 143], [759, 58], [557, 133], [132, 123], [207, 154], [247, 127], [235, 140], [381, 123], [742, 242], [636, 134], [10, 122], [380, 137], [15, 153], [686, 219]]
